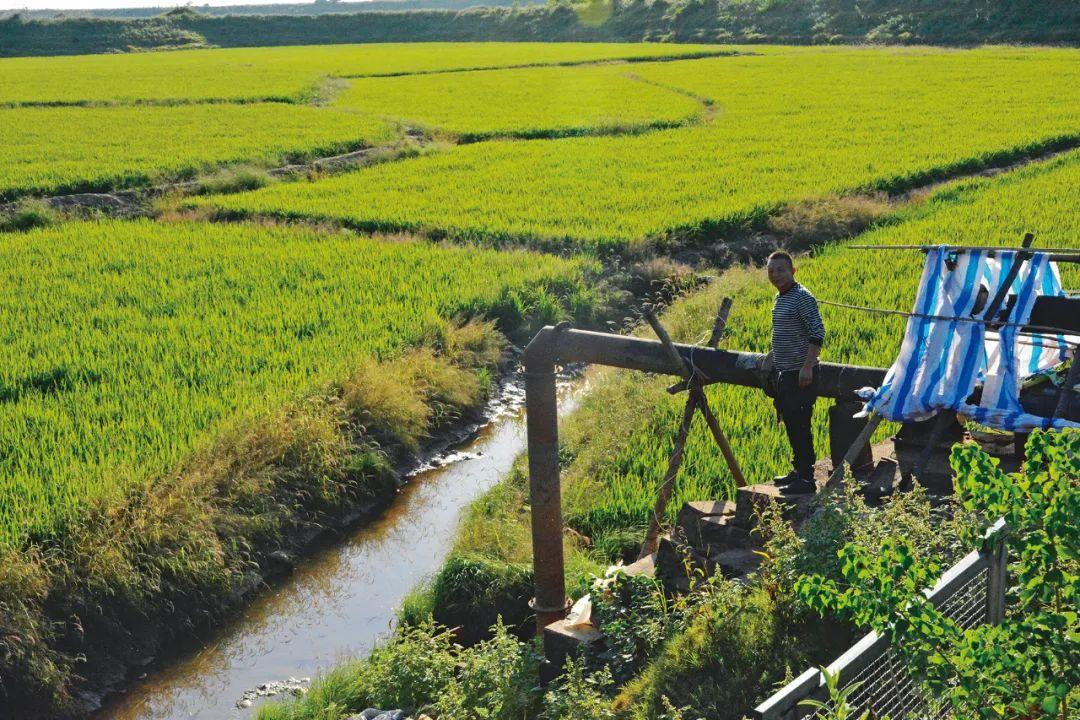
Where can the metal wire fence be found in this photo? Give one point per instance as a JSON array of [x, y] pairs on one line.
[[971, 593]]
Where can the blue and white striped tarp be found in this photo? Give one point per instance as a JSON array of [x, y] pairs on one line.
[[942, 360]]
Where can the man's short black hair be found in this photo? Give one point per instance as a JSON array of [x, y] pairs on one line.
[[781, 255]]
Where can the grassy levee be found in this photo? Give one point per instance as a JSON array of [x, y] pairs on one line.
[[527, 103], [283, 73], [787, 126], [51, 150], [180, 399], [615, 446]]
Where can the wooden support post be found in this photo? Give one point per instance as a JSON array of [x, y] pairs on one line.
[[703, 404], [997, 578], [695, 400], [652, 535], [837, 477], [721, 322], [945, 418], [1068, 391], [1003, 290], [678, 365], [844, 427]]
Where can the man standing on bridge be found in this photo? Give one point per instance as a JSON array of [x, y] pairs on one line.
[[797, 337]]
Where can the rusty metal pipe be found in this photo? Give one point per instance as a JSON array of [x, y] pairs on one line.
[[545, 498], [736, 368]]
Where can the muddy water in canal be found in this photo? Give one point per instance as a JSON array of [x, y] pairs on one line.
[[340, 601]]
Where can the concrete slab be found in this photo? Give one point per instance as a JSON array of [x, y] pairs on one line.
[[692, 513], [751, 500]]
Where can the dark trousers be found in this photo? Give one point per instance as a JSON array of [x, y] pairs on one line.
[[796, 406]]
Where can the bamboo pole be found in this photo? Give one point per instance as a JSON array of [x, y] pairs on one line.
[[965, 248], [952, 318]]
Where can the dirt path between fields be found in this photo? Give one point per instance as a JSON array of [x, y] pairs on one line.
[[135, 202]]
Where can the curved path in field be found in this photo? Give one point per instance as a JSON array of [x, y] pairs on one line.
[[132, 200]]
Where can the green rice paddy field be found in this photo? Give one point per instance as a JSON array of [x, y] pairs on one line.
[[783, 127], [127, 346]]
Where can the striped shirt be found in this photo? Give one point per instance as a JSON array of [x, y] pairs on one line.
[[796, 323]]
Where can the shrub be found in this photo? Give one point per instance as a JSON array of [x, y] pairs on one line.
[[422, 670], [496, 680], [27, 215], [234, 179], [1029, 665], [580, 695], [409, 672]]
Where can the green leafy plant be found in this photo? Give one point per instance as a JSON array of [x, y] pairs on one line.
[[1024, 668], [495, 679], [838, 706], [637, 618], [581, 695]]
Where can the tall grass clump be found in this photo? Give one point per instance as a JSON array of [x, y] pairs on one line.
[[234, 179], [27, 215]]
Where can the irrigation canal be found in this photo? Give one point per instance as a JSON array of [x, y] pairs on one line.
[[340, 601]]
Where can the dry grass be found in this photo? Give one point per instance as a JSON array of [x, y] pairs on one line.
[[815, 222]]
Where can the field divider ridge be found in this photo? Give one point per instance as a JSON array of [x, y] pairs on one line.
[[744, 237], [699, 55]]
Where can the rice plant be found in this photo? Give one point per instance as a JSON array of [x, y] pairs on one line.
[[786, 126], [73, 149], [528, 103], [128, 345], [282, 73]]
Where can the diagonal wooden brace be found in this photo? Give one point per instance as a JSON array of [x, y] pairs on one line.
[[837, 477], [696, 400]]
